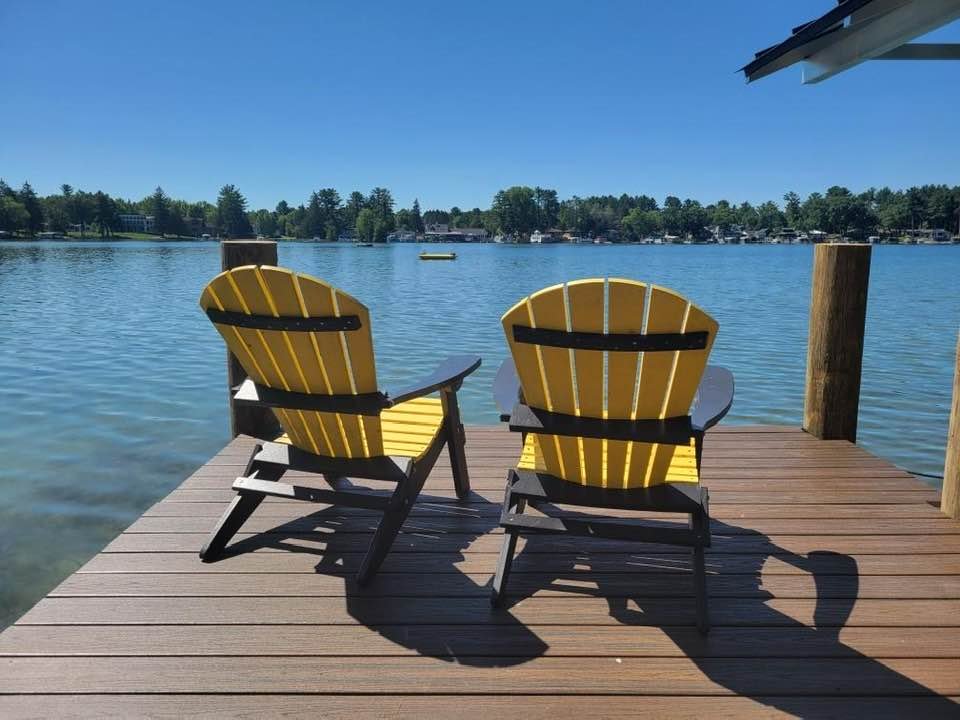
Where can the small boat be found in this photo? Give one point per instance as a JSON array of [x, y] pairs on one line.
[[364, 244], [438, 256]]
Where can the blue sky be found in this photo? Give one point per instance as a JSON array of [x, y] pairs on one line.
[[451, 101]]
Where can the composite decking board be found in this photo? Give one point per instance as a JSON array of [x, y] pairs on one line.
[[755, 495], [718, 511], [488, 524], [566, 610], [761, 480], [719, 458], [143, 551], [467, 707], [472, 640], [487, 464], [307, 555], [484, 675], [529, 584], [880, 620]]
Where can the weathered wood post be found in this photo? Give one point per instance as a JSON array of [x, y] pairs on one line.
[[950, 499], [838, 312], [255, 421]]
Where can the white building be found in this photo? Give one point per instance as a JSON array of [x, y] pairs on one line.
[[544, 238], [136, 223]]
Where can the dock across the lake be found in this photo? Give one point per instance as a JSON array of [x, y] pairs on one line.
[[834, 583]]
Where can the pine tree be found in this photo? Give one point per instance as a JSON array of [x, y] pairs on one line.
[[33, 207], [232, 212], [416, 219], [160, 209], [105, 213]]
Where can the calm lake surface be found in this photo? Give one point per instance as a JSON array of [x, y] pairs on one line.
[[114, 381]]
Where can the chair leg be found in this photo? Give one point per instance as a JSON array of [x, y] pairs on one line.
[[499, 591], [232, 520], [333, 480], [456, 441], [239, 509], [393, 519]]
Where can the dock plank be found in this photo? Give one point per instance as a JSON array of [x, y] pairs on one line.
[[467, 707], [834, 583]]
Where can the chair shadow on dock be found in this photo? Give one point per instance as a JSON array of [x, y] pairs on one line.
[[410, 600], [670, 606], [412, 590]]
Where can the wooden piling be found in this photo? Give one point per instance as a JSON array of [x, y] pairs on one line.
[[838, 311], [255, 421], [950, 499]]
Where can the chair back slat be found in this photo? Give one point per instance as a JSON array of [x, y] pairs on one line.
[[614, 383], [548, 308], [625, 309], [330, 363], [666, 314], [586, 299], [528, 361]]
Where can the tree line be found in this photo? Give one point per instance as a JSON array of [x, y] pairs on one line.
[[23, 211], [517, 210], [521, 210]]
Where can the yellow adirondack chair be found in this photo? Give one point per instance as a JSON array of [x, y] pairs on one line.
[[308, 351], [601, 383]]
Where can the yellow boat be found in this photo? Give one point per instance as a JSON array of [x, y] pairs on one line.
[[438, 256]]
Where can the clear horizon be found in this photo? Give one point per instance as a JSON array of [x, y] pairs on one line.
[[451, 104]]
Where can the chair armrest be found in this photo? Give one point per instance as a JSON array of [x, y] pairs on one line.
[[506, 389], [448, 374], [714, 398]]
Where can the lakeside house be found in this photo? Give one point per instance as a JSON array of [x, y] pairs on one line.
[[440, 232], [543, 238], [197, 227], [135, 222], [473, 234], [929, 236], [402, 236]]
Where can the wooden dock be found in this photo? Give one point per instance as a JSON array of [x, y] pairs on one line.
[[835, 585]]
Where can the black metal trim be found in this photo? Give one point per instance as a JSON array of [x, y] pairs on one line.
[[250, 393], [289, 324], [614, 342], [669, 431]]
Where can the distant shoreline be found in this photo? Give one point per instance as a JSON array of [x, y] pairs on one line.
[[142, 237]]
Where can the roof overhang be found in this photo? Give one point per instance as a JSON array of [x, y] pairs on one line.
[[859, 30]]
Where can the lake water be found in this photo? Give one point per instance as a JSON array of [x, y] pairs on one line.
[[114, 381]]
